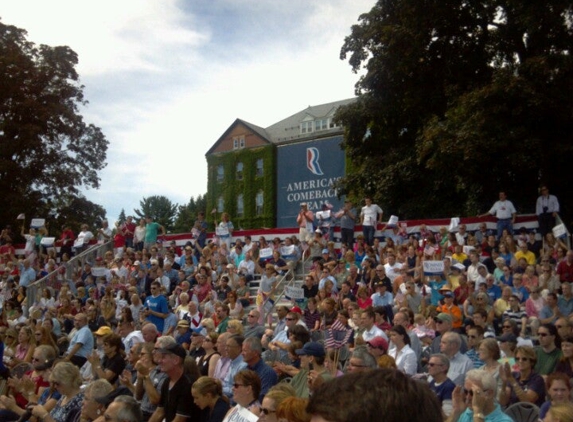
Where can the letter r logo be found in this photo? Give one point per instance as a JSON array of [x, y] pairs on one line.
[[312, 156]]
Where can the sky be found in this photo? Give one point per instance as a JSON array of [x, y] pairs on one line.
[[165, 79]]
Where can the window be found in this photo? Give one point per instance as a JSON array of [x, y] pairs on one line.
[[259, 167], [238, 142], [332, 124], [239, 171], [259, 202], [220, 204], [220, 173], [321, 124], [240, 206], [306, 127]]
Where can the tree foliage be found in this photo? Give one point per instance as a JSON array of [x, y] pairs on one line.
[[160, 208], [47, 151], [187, 214], [76, 210], [121, 218], [459, 99]]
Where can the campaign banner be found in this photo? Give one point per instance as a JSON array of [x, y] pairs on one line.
[[433, 267], [319, 164], [559, 230], [467, 249], [47, 241], [266, 253], [293, 292], [100, 272], [454, 223], [37, 222]]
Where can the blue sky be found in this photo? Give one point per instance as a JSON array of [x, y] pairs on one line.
[[164, 79]]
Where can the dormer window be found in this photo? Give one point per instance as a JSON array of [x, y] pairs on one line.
[[238, 142]]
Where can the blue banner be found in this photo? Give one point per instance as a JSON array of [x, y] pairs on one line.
[[306, 172]]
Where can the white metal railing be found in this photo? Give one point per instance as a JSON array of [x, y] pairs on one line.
[[34, 290]]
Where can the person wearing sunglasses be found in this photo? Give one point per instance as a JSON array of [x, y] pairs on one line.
[[66, 379], [246, 392], [475, 401], [208, 395], [272, 401], [525, 385]]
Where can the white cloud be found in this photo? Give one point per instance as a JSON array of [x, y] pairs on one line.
[[166, 78]]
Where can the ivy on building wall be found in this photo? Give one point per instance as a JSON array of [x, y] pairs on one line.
[[230, 187]]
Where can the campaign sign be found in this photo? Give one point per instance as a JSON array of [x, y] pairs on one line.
[[293, 292], [433, 267], [37, 222], [307, 172]]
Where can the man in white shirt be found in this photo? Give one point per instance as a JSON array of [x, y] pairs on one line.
[[370, 217], [392, 267], [505, 213], [367, 319]]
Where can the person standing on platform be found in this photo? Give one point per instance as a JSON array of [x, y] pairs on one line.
[[505, 213], [370, 217], [547, 208]]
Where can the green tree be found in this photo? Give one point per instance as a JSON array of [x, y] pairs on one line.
[[160, 208], [121, 219], [47, 151], [458, 100], [187, 214], [76, 210]]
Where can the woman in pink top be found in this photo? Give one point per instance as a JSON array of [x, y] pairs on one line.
[[25, 347], [533, 306]]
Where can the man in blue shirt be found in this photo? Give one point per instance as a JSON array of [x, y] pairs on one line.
[[82, 343], [156, 309], [27, 274], [252, 351], [234, 349]]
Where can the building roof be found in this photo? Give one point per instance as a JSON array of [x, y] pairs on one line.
[[256, 129], [288, 129]]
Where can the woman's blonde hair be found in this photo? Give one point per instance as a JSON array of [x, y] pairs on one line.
[[293, 409], [67, 374], [236, 325]]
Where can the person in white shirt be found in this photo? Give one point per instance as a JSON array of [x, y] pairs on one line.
[[405, 357], [370, 217], [505, 213], [367, 319], [392, 267], [546, 208]]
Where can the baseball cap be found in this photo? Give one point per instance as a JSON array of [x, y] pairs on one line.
[[507, 337], [378, 343], [325, 251], [199, 331], [296, 309], [174, 349], [103, 331], [459, 266], [443, 317], [311, 349]]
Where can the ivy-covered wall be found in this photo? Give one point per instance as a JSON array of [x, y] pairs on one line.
[[230, 188]]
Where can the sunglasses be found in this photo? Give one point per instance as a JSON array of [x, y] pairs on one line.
[[289, 319], [267, 411]]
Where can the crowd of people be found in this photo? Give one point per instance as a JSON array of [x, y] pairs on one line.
[[153, 331]]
